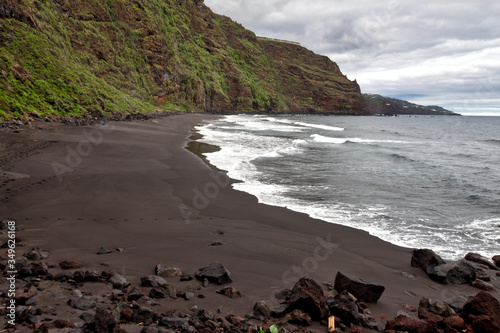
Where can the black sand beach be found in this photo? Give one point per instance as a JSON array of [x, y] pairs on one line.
[[134, 186]]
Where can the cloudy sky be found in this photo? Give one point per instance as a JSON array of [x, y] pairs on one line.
[[431, 52]]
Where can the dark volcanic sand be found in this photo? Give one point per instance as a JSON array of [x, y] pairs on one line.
[[126, 191]]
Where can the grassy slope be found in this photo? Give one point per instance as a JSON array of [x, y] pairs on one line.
[[108, 57]]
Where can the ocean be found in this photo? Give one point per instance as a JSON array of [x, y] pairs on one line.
[[416, 181]]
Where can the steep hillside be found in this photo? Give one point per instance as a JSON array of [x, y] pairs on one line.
[[111, 57], [377, 104]]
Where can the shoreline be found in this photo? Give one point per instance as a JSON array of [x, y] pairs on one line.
[[136, 187]]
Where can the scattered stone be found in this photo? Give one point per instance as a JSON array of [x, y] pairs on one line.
[[118, 281], [215, 273], [67, 264], [230, 292], [260, 309], [36, 254], [344, 307], [408, 275], [411, 308], [366, 319], [216, 244], [411, 325], [81, 304], [425, 258], [153, 281], [459, 272], [185, 277], [165, 271], [188, 295], [127, 315], [483, 285], [363, 291], [133, 294], [476, 257], [104, 250]]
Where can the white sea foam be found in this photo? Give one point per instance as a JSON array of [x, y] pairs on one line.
[[324, 127], [243, 145]]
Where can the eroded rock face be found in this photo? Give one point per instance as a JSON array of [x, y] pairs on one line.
[[363, 291]]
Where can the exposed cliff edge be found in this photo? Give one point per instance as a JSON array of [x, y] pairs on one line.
[[377, 104], [108, 57]]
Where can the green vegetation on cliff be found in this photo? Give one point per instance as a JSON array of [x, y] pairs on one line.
[[110, 57]]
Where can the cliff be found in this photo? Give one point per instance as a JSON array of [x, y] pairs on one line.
[[112, 57], [377, 104]]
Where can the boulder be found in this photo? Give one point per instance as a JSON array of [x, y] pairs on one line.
[[164, 291], [215, 273], [425, 258], [344, 307], [165, 271], [308, 296], [476, 257], [459, 272], [363, 291], [411, 325], [482, 304]]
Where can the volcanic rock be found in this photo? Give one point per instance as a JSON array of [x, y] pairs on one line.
[[153, 281], [68, 264], [260, 309], [459, 272], [496, 260], [475, 257], [363, 291], [411, 325], [230, 292], [483, 285], [215, 273], [308, 296], [344, 307], [118, 281], [425, 258], [165, 271]]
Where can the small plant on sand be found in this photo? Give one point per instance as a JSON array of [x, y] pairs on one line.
[[272, 329]]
